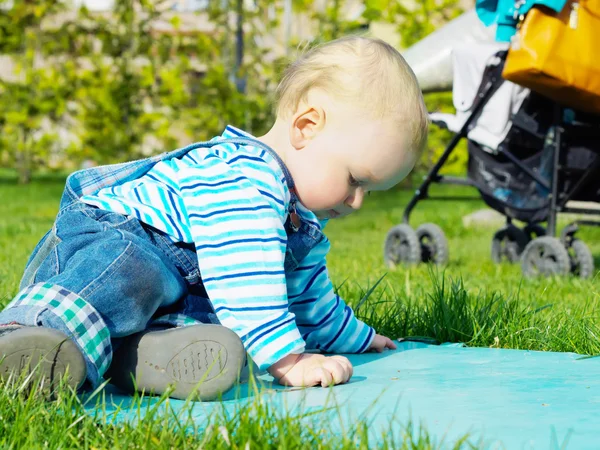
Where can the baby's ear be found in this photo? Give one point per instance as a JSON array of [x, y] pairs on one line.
[[308, 121]]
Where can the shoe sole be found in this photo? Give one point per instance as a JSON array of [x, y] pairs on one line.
[[199, 361], [44, 354]]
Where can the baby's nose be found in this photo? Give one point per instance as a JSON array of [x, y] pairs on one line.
[[355, 200]]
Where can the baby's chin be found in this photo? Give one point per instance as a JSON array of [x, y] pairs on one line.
[[327, 214]]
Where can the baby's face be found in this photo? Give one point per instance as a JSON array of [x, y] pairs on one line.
[[343, 163]]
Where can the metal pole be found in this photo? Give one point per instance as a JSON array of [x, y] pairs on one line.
[[240, 83], [551, 231]]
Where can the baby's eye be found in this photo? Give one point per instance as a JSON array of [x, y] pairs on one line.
[[353, 181]]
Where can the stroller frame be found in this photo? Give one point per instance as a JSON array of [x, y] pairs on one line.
[[544, 254]]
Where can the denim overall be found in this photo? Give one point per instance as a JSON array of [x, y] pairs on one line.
[[99, 276]]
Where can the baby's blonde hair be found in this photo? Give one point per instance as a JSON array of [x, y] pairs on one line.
[[366, 72]]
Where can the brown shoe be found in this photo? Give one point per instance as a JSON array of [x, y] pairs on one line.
[[202, 361], [45, 352]]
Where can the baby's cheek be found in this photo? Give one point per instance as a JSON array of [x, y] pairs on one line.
[[320, 193], [329, 196]]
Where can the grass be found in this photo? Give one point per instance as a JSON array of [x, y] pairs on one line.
[[471, 300]]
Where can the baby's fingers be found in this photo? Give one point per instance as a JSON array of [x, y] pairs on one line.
[[322, 376], [346, 364], [390, 344], [337, 371]]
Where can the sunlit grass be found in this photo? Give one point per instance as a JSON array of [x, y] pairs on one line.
[[471, 301]]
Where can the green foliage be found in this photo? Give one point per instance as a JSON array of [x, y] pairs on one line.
[[112, 87], [32, 97], [149, 95], [117, 87], [116, 83]]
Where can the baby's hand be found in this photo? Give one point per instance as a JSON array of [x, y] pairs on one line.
[[311, 370], [380, 343]]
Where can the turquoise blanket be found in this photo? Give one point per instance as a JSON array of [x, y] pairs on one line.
[[522, 399]]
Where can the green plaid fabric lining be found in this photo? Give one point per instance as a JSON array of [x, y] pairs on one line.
[[83, 321], [176, 320]]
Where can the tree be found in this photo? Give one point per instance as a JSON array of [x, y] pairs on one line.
[[144, 92], [112, 87], [117, 86], [32, 97]]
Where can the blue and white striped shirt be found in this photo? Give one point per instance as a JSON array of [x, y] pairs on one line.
[[232, 202]]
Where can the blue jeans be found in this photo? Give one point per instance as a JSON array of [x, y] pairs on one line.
[[129, 273], [99, 276]]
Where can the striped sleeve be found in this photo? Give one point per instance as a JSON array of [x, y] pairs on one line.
[[325, 321], [236, 222]]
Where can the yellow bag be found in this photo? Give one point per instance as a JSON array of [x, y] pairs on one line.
[[558, 54]]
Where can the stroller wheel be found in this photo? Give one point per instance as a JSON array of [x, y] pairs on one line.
[[546, 256], [582, 261], [508, 244], [434, 245], [401, 246]]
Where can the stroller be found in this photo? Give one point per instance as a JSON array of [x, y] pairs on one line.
[[528, 157]]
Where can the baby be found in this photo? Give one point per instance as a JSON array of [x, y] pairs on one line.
[[165, 273]]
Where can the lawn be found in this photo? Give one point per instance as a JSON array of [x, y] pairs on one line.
[[471, 300]]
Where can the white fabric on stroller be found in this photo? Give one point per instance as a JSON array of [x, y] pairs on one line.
[[493, 123]]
